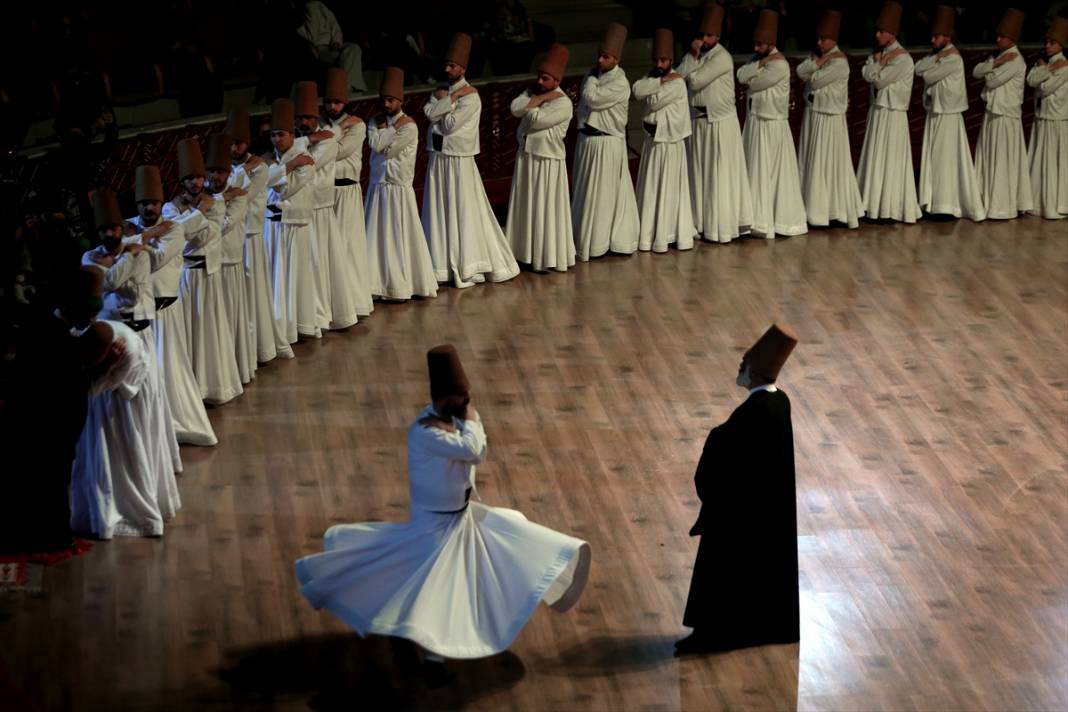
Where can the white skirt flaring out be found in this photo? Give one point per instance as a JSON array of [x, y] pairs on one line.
[[270, 343], [884, 175], [539, 214], [604, 212], [665, 211], [466, 242], [828, 181], [123, 480], [295, 301], [1047, 156], [460, 585], [235, 293], [773, 178], [350, 278], [210, 337], [721, 200], [397, 252], [948, 185], [1001, 167], [188, 415]]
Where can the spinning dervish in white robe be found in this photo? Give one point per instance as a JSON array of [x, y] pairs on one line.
[[459, 578]]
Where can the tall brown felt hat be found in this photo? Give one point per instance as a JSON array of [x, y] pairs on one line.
[[614, 39], [663, 44], [447, 377], [147, 184], [237, 126], [305, 99], [106, 208], [1012, 24], [767, 27], [555, 64], [769, 353], [217, 152], [283, 118], [712, 20], [459, 51], [889, 19], [337, 85], [1058, 30], [830, 25], [190, 159], [944, 18], [392, 83]]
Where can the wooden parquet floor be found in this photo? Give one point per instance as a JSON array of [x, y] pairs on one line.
[[931, 428]]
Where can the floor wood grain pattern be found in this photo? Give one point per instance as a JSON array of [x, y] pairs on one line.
[[930, 401]]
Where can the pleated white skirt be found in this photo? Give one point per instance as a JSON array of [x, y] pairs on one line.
[[828, 181], [604, 212], [948, 185], [721, 200], [397, 252], [1001, 166], [539, 214], [884, 175], [1047, 156], [774, 180], [665, 210]]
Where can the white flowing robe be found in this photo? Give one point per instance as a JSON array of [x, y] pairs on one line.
[[604, 212], [1000, 153], [769, 150], [233, 280], [350, 277], [539, 207], [948, 185], [466, 242], [665, 209], [208, 333], [188, 415], [1047, 153], [828, 179], [123, 480], [459, 579], [288, 235], [269, 340], [720, 195], [327, 238], [885, 175], [396, 246], [128, 299]]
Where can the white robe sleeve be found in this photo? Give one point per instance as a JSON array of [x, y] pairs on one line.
[[645, 87], [669, 93], [1052, 81], [704, 74], [599, 97], [937, 71], [771, 74], [466, 444], [828, 74], [518, 107], [351, 140], [550, 114], [1003, 74], [167, 248]]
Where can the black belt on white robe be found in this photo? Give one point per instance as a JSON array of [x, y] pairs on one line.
[[467, 500], [701, 112], [588, 130], [342, 182], [196, 262], [164, 302], [437, 140], [649, 129], [135, 324]]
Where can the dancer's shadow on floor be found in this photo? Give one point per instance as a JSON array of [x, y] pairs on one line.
[[605, 655], [343, 671]]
